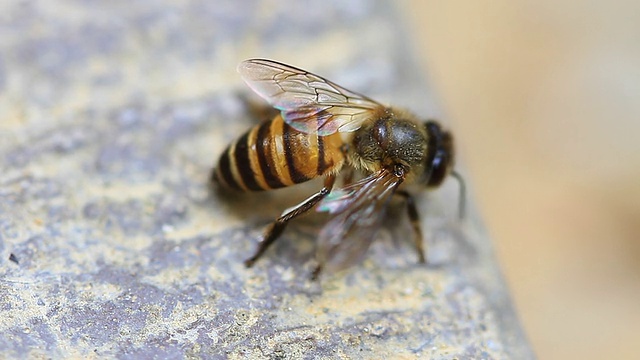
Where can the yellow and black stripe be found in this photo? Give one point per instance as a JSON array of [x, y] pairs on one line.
[[274, 155]]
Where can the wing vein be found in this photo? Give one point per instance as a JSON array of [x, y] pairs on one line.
[[303, 96]]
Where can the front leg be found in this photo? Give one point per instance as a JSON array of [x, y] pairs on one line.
[[412, 210], [274, 230]]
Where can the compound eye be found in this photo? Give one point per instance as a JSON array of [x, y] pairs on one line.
[[439, 168]]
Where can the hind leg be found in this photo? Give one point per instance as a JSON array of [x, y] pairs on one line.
[[274, 230]]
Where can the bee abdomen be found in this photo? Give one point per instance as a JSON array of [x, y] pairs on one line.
[[274, 155]]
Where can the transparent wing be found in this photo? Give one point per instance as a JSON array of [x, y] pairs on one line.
[[308, 102], [358, 211]]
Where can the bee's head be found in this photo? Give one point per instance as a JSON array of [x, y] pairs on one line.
[[440, 154], [426, 151]]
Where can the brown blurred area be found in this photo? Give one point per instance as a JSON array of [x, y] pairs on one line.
[[544, 97]]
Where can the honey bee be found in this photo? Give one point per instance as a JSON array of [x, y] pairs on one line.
[[325, 130]]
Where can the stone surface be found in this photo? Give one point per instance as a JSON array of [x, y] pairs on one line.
[[111, 243]]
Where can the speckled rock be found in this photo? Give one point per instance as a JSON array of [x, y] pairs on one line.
[[111, 242]]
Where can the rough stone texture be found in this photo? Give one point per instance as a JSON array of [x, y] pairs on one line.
[[111, 243]]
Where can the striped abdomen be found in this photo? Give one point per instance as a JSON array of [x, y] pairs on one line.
[[274, 155]]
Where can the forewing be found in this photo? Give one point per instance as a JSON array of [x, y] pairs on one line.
[[308, 102], [358, 211]]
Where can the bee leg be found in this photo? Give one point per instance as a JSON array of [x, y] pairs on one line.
[[347, 178], [412, 210], [275, 229], [316, 272], [348, 173]]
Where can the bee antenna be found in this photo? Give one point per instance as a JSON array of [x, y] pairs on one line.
[[462, 197]]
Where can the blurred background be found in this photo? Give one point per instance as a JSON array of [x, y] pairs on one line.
[[545, 99], [543, 96]]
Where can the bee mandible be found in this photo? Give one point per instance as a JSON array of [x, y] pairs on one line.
[[325, 130]]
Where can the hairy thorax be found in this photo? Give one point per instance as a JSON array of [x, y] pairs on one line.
[[388, 140]]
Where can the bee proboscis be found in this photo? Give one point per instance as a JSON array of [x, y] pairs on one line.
[[325, 130]]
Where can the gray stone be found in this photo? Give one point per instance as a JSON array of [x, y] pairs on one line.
[[111, 243]]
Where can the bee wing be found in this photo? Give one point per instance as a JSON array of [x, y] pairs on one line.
[[308, 102], [358, 211]]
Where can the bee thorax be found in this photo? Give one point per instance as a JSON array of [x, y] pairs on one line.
[[387, 142]]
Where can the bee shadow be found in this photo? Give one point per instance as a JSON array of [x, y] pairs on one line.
[[262, 207]]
